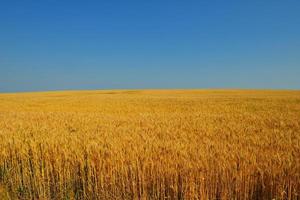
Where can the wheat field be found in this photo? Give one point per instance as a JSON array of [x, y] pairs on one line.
[[150, 144]]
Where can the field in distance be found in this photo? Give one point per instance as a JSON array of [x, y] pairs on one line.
[[150, 144]]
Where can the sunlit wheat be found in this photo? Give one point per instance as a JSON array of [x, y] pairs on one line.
[[173, 144]]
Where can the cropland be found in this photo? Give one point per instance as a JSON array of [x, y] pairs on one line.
[[150, 144]]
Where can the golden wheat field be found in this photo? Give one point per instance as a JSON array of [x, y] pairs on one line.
[[150, 144]]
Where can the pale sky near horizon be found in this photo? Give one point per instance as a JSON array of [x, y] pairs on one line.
[[59, 45]]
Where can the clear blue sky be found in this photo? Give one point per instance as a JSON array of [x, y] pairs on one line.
[[58, 45]]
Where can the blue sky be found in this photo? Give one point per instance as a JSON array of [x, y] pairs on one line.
[[59, 45]]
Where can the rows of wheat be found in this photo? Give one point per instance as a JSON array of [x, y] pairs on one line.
[[150, 145]]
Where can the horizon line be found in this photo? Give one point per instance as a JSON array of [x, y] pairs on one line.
[[145, 89]]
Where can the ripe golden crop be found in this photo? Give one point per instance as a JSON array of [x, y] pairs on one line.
[[150, 144]]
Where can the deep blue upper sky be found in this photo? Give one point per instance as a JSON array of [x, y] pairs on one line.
[[50, 45]]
